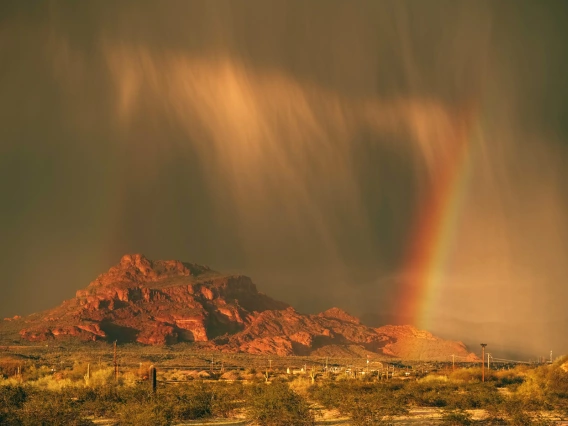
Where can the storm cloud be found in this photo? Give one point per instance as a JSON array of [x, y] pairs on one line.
[[295, 142]]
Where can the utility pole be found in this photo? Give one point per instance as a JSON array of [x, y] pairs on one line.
[[551, 356], [115, 363], [153, 380], [483, 345], [270, 364], [453, 362]]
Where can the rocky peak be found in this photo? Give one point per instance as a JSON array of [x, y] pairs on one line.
[[340, 314], [136, 269], [137, 260]]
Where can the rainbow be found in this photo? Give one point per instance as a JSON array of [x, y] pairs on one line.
[[433, 235]]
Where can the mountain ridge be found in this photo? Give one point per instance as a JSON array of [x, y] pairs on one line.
[[168, 301]]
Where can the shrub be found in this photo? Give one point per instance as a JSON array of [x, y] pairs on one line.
[[456, 417], [140, 407], [365, 403], [12, 398], [227, 398], [191, 402], [509, 378], [102, 377], [50, 408], [277, 405]]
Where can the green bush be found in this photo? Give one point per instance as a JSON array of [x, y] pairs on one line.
[[12, 398], [509, 378], [365, 403], [50, 408], [177, 403], [191, 402], [277, 405], [227, 397], [139, 406]]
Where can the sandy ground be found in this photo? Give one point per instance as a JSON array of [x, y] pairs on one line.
[[418, 416]]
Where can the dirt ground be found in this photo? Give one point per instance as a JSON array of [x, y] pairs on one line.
[[419, 416], [424, 416]]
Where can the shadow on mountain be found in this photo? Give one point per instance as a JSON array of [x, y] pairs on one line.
[[119, 333]]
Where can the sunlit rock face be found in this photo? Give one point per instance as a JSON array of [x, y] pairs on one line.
[[167, 302], [154, 302]]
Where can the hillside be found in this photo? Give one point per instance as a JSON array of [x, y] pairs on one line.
[[166, 302]]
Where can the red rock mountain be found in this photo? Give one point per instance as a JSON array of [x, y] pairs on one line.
[[165, 302]]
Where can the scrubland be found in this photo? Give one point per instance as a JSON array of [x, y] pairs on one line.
[[81, 394]]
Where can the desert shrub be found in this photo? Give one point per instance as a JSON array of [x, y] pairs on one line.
[[429, 393], [509, 378], [9, 366], [433, 379], [184, 401], [138, 414], [99, 401], [494, 417], [32, 373], [473, 374], [129, 378], [12, 398], [131, 405], [102, 377], [194, 401], [556, 381], [52, 383], [476, 395], [532, 394], [50, 408], [139, 406], [515, 414], [452, 395], [300, 385], [456, 418], [545, 387], [365, 403], [465, 375], [227, 398], [277, 405], [77, 372]]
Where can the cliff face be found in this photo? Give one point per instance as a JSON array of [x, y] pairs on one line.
[[165, 302], [154, 303]]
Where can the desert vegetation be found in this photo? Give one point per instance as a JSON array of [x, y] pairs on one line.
[[80, 394]]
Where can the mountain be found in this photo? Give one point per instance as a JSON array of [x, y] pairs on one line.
[[166, 302]]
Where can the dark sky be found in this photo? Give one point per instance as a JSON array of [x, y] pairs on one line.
[[295, 142]]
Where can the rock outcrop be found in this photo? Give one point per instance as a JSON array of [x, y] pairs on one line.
[[166, 302], [154, 303]]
